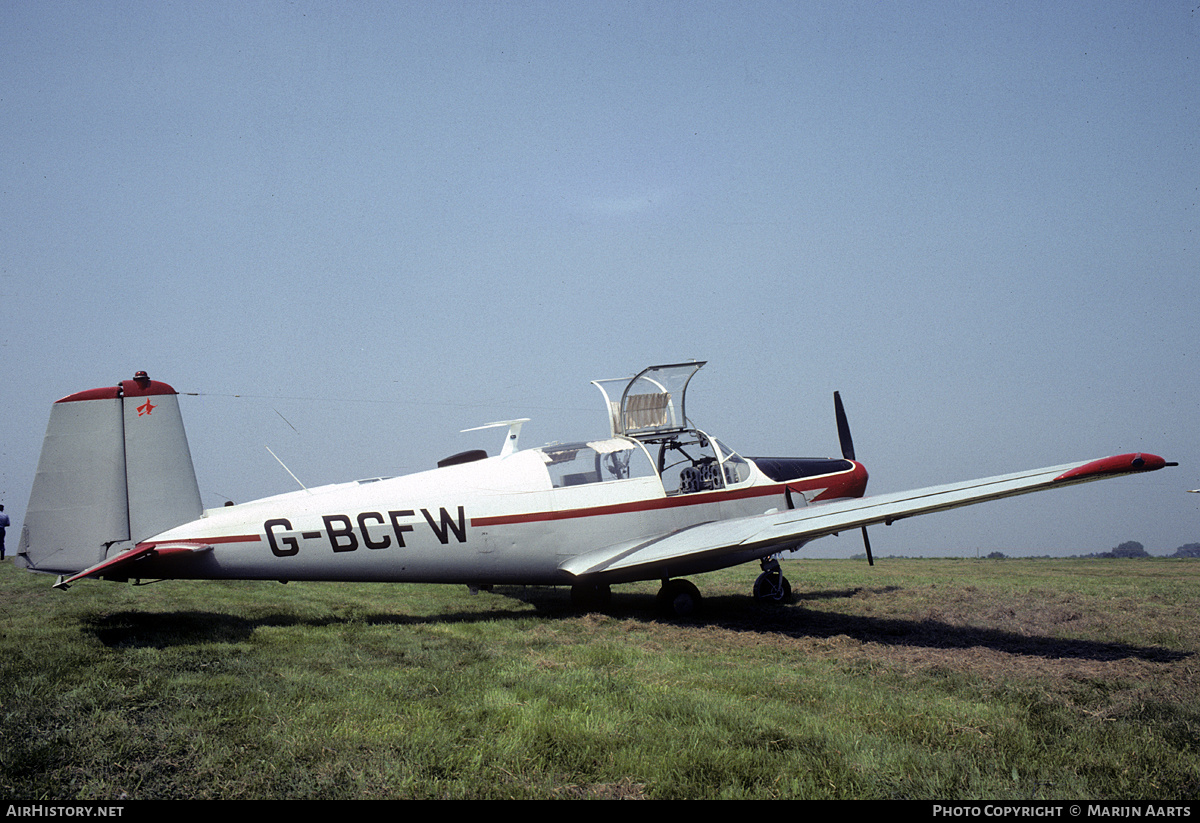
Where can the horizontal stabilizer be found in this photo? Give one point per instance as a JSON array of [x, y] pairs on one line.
[[122, 565]]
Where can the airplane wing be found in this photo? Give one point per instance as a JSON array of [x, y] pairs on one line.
[[120, 565], [765, 533]]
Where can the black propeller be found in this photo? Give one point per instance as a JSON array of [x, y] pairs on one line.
[[848, 453], [843, 427]]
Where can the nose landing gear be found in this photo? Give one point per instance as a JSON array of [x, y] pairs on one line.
[[771, 586]]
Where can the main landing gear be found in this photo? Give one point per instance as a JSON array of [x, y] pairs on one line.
[[678, 598], [771, 586], [681, 598]]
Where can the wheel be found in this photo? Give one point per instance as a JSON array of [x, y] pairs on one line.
[[679, 598], [591, 597], [772, 587]]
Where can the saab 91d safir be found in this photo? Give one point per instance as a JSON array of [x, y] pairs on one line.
[[656, 498]]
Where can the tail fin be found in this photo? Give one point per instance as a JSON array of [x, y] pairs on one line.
[[115, 469]]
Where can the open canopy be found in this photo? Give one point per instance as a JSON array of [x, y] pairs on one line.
[[650, 403]]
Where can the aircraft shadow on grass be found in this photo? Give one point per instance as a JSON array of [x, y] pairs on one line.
[[136, 629]]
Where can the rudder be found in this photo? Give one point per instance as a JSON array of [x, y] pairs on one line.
[[115, 469]]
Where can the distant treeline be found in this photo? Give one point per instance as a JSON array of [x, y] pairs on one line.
[[1130, 548]]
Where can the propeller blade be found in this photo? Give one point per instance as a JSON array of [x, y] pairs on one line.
[[843, 428], [847, 442]]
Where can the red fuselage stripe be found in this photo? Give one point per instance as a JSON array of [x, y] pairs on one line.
[[841, 486]]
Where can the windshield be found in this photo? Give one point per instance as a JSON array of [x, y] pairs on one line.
[[693, 462], [736, 469]]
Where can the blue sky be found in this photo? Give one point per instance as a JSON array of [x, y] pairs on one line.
[[350, 230]]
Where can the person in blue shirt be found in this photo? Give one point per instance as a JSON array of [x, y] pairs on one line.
[[3, 526]]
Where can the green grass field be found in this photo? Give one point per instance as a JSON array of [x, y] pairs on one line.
[[927, 679]]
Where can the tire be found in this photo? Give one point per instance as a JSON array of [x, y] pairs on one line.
[[772, 587], [679, 598]]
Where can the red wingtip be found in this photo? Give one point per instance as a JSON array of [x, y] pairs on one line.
[[1118, 464]]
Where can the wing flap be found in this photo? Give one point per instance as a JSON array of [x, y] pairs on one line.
[[777, 531]]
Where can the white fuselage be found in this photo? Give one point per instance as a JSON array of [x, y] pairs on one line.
[[498, 520]]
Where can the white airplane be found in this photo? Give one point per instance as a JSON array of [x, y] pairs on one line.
[[115, 497]]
